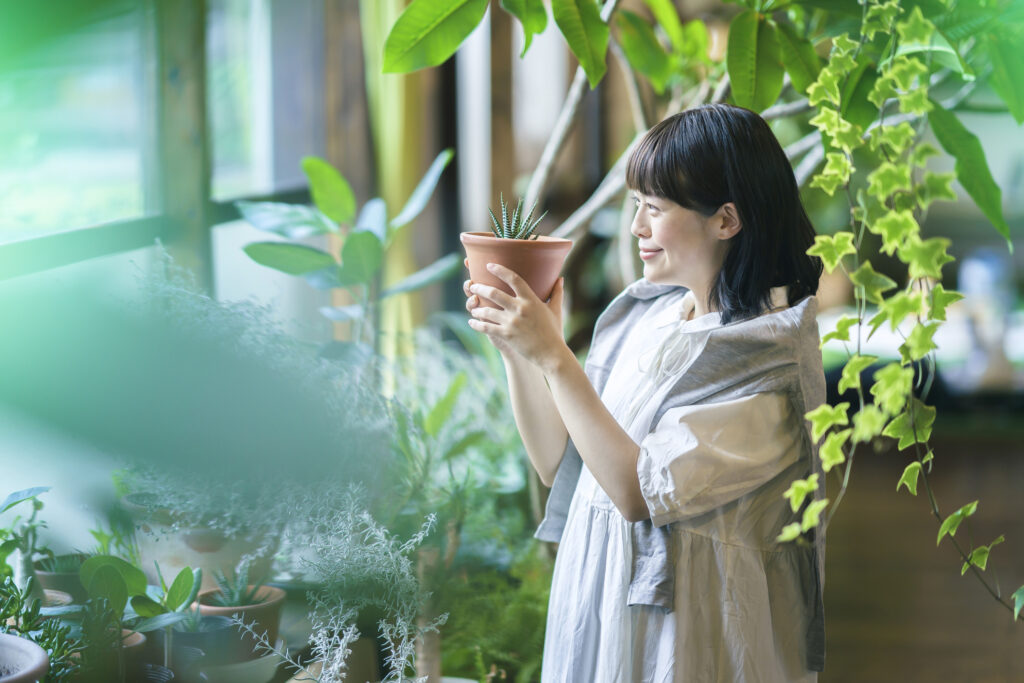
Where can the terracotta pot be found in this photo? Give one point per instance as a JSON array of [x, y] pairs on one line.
[[21, 660], [65, 582], [537, 261], [266, 613]]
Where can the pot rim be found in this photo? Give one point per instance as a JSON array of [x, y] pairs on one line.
[[542, 241], [273, 595], [37, 660]]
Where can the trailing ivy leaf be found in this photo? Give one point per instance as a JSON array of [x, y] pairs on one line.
[[868, 423], [857, 364], [979, 556], [531, 14], [952, 523], [825, 417], [424, 189], [430, 31], [971, 167], [925, 258], [856, 107], [835, 174], [919, 342], [910, 429], [441, 269], [935, 186], [293, 221], [667, 16], [939, 299], [21, 496], [842, 331], [825, 88], [894, 138], [840, 132], [791, 532], [903, 71], [831, 452], [642, 50], [373, 219], [892, 386], [294, 259], [799, 490], [1018, 602], [812, 514], [916, 101], [586, 33], [832, 248], [872, 282], [442, 410], [897, 307], [331, 192], [887, 179], [909, 477], [361, 258], [1004, 51], [754, 61], [895, 228], [920, 154], [798, 56], [880, 17]]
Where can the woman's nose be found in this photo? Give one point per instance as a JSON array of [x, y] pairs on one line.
[[638, 228]]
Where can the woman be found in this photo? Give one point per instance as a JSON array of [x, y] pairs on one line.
[[668, 456]]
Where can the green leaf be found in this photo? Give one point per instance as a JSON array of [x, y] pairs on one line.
[[825, 88], [531, 14], [294, 259], [812, 514], [915, 28], [667, 16], [791, 532], [939, 299], [872, 282], [1007, 79], [856, 107], [799, 490], [20, 496], [925, 258], [919, 342], [147, 607], [841, 133], [373, 219], [888, 179], [439, 270], [952, 523], [132, 576], [892, 386], [442, 410], [831, 452], [798, 56], [430, 31], [979, 556], [850, 378], [897, 139], [424, 189], [180, 590], [909, 477], [835, 175], [642, 50], [825, 416], [904, 71], [935, 186], [331, 192], [971, 167], [1018, 602], [868, 423], [160, 621], [910, 429], [106, 582], [293, 221], [586, 33], [915, 102], [880, 17], [361, 258], [842, 331], [895, 227], [897, 307], [832, 248], [920, 154], [754, 61]]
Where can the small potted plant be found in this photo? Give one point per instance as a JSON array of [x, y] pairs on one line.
[[60, 573], [33, 645], [254, 603], [513, 243]]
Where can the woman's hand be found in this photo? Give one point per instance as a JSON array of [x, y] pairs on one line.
[[527, 325]]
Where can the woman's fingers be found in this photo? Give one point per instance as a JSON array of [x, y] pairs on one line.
[[499, 297], [488, 314], [512, 279]]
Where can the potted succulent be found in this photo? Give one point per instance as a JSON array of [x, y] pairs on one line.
[[255, 604], [60, 573], [514, 244]]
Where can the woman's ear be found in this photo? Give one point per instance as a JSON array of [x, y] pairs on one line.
[[730, 218]]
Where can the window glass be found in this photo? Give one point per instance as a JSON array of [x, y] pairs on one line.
[[73, 124]]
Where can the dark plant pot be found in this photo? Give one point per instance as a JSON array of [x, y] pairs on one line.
[[218, 642], [266, 614], [21, 660], [65, 582], [154, 673], [537, 261]]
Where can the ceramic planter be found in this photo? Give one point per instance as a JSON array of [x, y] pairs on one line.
[[266, 613], [65, 582], [217, 640], [538, 261], [21, 660]]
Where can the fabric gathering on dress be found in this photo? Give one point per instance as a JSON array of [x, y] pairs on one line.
[[702, 592]]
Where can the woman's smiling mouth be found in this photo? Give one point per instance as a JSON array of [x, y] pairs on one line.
[[646, 254]]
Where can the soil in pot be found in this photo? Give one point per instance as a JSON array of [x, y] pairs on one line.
[[537, 261], [265, 615], [21, 660]]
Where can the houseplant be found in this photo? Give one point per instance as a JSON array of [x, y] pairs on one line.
[[257, 605], [23, 536], [60, 573], [514, 244], [22, 624], [21, 660]]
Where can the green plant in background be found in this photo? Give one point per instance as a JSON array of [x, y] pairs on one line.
[[110, 583], [23, 536], [520, 227], [167, 606], [365, 238], [235, 590], [22, 614], [61, 564], [866, 81]]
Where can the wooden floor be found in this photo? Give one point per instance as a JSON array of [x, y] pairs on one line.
[[896, 607]]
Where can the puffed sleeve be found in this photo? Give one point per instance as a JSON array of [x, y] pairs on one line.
[[704, 456]]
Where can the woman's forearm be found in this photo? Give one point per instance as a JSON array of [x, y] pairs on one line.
[[540, 425]]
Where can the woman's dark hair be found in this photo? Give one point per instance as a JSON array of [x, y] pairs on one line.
[[705, 157]]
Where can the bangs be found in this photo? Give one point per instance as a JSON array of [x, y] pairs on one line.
[[659, 166]]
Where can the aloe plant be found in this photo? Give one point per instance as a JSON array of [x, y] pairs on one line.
[[520, 227], [235, 590]]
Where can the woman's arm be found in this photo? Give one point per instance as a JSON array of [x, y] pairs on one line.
[[537, 418], [527, 326]]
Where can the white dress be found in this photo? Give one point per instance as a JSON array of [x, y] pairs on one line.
[[716, 473]]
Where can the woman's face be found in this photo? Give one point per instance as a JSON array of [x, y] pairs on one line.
[[680, 246]]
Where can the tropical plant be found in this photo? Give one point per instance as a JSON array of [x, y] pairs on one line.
[[520, 227], [22, 535], [167, 606], [22, 614], [110, 583], [869, 79], [235, 590]]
